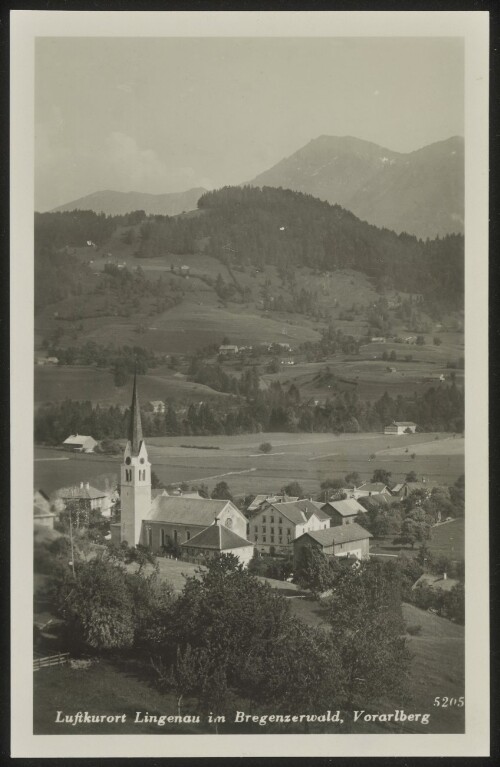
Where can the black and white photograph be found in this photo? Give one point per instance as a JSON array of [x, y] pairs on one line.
[[249, 288]]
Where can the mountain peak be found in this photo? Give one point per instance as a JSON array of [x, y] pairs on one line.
[[420, 192]]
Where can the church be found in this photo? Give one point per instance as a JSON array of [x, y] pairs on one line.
[[183, 520]]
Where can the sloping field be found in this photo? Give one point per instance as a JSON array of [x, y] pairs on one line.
[[54, 384]]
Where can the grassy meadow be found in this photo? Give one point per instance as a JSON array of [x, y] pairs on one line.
[[307, 458]]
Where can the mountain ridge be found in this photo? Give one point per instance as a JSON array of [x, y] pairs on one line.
[[419, 192]]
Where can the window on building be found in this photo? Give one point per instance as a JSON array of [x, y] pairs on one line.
[[150, 537], [188, 536], [263, 520], [272, 538], [280, 539], [256, 529], [256, 537], [289, 530], [280, 521], [263, 528], [175, 536], [162, 536], [272, 520], [248, 528], [263, 539]]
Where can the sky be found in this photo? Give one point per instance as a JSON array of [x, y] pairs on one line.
[[167, 114]]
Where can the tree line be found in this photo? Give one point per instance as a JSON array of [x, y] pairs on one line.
[[276, 409]]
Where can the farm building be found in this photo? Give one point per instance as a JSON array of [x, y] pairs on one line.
[[340, 541], [219, 539], [401, 427], [343, 512], [276, 525], [167, 518], [228, 349], [80, 443]]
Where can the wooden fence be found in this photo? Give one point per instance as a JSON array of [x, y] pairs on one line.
[[50, 660]]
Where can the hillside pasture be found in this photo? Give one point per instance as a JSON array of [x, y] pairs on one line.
[[307, 458], [57, 383]]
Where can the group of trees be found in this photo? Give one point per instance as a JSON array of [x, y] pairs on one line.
[[276, 409], [229, 638]]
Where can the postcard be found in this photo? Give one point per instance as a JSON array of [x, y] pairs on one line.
[[249, 371]]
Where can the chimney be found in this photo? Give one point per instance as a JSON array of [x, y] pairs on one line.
[[87, 485], [444, 576], [216, 520]]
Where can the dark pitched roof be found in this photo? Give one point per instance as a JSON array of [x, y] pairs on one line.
[[217, 537], [187, 511], [336, 535], [135, 426]]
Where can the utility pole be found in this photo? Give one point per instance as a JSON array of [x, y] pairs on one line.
[[72, 563]]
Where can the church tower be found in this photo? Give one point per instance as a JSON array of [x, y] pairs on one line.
[[135, 481]]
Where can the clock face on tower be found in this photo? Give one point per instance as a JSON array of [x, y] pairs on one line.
[[229, 522], [128, 461], [142, 460]]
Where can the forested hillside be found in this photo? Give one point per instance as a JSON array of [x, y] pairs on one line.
[[284, 228]]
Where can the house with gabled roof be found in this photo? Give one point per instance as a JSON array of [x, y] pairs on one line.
[[339, 541], [219, 539], [369, 488], [276, 525], [343, 512], [175, 519], [401, 427], [263, 497]]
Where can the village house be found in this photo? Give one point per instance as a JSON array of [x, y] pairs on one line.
[[80, 443], [343, 512], [158, 406], [368, 488], [276, 525], [435, 582], [175, 519], [219, 539], [401, 427], [339, 541], [84, 498]]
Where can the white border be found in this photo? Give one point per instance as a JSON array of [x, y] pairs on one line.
[[474, 28]]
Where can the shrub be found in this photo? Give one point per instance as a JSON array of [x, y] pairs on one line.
[[413, 629], [265, 447]]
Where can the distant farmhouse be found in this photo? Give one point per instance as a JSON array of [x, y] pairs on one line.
[[80, 443], [340, 541], [401, 427], [174, 520], [228, 349]]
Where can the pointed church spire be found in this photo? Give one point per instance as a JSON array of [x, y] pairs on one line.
[[135, 426]]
